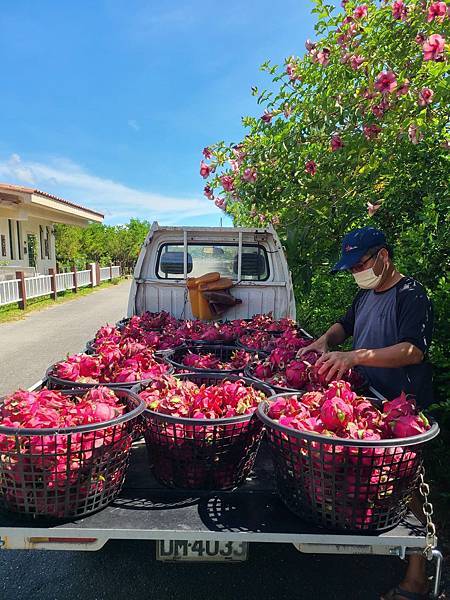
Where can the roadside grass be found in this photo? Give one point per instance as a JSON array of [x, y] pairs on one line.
[[13, 313]]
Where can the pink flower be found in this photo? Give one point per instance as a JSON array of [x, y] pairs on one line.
[[433, 47], [323, 57], [205, 170], [403, 88], [356, 61], [311, 167], [206, 153], [250, 175], [234, 164], [267, 116], [414, 134], [399, 10], [227, 183], [371, 131], [275, 220], [262, 218], [420, 38], [238, 152], [291, 70], [372, 208], [385, 82], [336, 143], [220, 203], [309, 45], [437, 10], [425, 96], [368, 94], [208, 192], [379, 109], [360, 12]]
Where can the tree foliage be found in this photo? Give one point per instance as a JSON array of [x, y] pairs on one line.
[[352, 132], [119, 244]]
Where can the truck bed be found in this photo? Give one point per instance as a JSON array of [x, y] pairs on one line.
[[252, 513]]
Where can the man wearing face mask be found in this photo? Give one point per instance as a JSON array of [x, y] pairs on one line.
[[390, 321]]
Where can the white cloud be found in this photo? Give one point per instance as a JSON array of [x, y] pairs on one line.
[[134, 124], [117, 201]]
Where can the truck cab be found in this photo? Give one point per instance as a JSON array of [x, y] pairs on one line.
[[252, 258]]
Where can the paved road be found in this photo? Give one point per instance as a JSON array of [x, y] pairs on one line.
[[127, 569], [29, 346]]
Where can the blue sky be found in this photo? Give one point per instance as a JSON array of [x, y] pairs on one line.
[[109, 102]]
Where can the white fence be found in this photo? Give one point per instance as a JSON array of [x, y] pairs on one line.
[[64, 281], [83, 278], [42, 285], [9, 292], [38, 286], [105, 273]]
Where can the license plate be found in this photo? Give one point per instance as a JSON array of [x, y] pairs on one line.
[[201, 550]]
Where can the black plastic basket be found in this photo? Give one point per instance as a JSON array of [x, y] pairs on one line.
[[67, 472], [56, 383], [223, 353], [203, 453], [342, 484], [122, 323]]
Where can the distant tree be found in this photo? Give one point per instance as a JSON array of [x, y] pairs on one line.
[[101, 243]]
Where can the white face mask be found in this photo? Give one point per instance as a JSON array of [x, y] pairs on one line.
[[367, 280]]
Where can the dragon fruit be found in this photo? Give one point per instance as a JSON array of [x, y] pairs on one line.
[[399, 407], [409, 425], [335, 413], [296, 374], [134, 363], [263, 370]]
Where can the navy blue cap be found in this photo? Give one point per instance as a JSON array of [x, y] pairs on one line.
[[355, 244]]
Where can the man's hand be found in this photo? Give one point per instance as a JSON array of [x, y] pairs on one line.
[[335, 364], [319, 345]]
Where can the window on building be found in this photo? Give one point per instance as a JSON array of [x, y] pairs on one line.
[[3, 244], [207, 258], [12, 254]]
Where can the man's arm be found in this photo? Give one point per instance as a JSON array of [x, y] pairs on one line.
[[391, 357]]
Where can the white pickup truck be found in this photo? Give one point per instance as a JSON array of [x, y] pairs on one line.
[[208, 525]]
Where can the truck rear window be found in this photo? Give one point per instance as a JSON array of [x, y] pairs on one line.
[[207, 258]]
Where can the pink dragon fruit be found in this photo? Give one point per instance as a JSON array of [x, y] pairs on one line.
[[409, 425], [399, 407], [68, 370], [296, 374], [336, 413], [263, 371], [280, 356]]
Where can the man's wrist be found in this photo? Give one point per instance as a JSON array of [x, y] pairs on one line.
[[359, 356]]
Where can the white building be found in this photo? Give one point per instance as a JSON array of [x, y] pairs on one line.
[[26, 227]]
